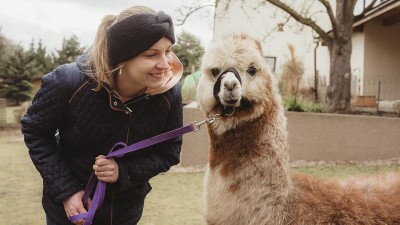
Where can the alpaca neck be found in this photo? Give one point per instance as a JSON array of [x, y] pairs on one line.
[[258, 139], [253, 157]]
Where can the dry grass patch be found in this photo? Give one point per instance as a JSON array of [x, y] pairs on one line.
[[20, 189]]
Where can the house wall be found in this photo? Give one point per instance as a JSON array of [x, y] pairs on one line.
[[382, 57], [357, 63], [261, 22], [314, 137]]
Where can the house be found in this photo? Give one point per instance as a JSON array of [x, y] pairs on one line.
[[276, 31], [376, 52], [376, 49]]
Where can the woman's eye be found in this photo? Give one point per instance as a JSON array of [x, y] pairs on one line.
[[150, 55], [252, 70], [215, 71]]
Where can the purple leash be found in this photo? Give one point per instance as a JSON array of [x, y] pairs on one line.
[[100, 190]]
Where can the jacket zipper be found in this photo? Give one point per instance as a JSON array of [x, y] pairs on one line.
[[113, 195], [129, 128], [127, 139], [112, 207], [130, 114]]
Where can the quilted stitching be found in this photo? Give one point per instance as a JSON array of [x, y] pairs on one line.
[[86, 126]]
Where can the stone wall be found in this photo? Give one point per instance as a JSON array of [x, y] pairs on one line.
[[315, 137]]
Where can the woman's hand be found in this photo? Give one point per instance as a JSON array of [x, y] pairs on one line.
[[73, 205], [106, 169]]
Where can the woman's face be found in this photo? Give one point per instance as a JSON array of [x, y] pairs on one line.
[[149, 69]]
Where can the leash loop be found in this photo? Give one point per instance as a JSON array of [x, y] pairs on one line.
[[119, 150]]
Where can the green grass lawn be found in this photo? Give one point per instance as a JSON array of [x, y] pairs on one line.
[[176, 197], [345, 171]]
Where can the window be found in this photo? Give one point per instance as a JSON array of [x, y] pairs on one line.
[[271, 61]]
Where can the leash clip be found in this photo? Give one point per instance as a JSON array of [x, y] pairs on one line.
[[210, 119]]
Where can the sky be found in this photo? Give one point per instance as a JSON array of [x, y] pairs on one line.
[[52, 20]]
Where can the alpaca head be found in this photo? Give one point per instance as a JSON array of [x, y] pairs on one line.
[[236, 79]]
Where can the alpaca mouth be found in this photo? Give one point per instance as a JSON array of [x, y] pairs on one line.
[[229, 107], [231, 102], [230, 98]]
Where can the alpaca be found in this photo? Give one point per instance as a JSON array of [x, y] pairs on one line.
[[248, 181]]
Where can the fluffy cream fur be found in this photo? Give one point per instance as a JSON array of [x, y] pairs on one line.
[[248, 180]]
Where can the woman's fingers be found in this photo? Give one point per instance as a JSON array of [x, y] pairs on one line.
[[73, 205], [101, 161], [106, 169]]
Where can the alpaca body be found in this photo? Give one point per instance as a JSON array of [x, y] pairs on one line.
[[368, 201], [230, 204], [242, 185], [255, 187]]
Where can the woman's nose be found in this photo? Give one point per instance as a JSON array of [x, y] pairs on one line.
[[164, 63]]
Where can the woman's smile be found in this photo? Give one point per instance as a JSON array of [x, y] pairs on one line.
[[158, 76]]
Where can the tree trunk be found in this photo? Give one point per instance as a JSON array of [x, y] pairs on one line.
[[339, 95]]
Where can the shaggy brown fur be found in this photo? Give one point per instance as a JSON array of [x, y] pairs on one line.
[[318, 201], [248, 180]]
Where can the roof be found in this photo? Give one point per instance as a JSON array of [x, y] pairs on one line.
[[387, 11]]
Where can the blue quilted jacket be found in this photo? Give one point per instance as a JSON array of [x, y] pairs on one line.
[[89, 124]]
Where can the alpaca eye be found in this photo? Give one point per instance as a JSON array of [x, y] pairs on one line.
[[252, 70], [215, 71]]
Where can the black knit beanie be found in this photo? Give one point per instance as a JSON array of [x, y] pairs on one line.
[[137, 33]]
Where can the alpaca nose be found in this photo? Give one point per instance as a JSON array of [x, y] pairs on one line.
[[230, 85]]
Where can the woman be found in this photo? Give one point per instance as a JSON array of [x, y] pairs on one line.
[[127, 91]]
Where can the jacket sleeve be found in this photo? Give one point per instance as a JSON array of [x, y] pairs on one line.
[[39, 125], [134, 171]]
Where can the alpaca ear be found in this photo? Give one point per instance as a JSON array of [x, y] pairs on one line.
[[259, 48], [245, 36]]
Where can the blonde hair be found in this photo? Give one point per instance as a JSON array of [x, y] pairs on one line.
[[98, 62]]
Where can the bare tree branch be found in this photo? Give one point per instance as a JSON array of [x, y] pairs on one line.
[[306, 21], [369, 7], [306, 9], [190, 11], [275, 29], [332, 18], [365, 10]]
